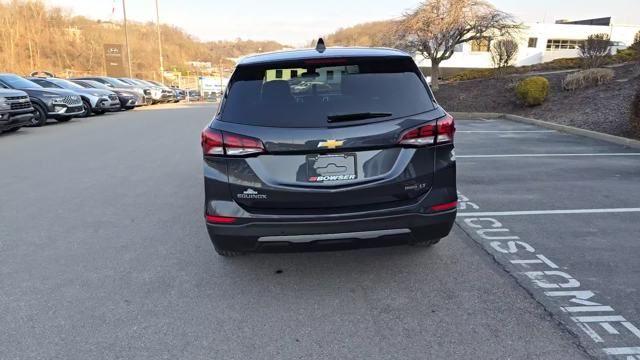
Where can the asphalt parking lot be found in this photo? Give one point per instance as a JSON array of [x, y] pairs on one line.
[[104, 254], [570, 207]]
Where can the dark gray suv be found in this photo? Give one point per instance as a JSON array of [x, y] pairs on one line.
[[325, 149], [16, 110]]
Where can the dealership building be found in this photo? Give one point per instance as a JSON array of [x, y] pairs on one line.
[[540, 42]]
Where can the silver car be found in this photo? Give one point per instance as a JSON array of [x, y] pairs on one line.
[[144, 95], [95, 101]]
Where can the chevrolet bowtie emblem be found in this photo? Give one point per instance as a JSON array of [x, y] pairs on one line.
[[331, 144]]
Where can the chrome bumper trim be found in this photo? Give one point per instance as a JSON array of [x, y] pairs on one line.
[[319, 237]]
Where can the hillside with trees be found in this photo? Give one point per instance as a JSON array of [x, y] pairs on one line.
[[378, 33], [34, 36]]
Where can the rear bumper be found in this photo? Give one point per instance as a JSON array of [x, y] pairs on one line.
[[372, 231]]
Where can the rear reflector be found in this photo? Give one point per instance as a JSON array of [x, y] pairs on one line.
[[444, 207], [215, 142], [219, 219], [438, 132]]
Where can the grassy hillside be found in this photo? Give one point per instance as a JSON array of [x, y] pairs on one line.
[[36, 37]]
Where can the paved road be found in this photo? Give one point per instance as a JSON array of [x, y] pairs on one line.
[[573, 204], [104, 255]]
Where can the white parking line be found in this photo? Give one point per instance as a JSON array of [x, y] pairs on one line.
[[541, 155], [550, 212], [504, 131]]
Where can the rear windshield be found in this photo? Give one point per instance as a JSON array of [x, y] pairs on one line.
[[310, 93]]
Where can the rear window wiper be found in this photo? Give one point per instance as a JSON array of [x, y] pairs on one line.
[[357, 116]]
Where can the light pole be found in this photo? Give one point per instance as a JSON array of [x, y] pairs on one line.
[[221, 72], [126, 35], [159, 43]]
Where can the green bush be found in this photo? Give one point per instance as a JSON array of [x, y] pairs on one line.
[[473, 74], [626, 55], [587, 78], [533, 90], [560, 64]]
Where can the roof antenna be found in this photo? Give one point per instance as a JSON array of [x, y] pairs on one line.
[[320, 46]]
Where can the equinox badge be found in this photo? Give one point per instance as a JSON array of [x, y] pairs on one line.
[[251, 194]]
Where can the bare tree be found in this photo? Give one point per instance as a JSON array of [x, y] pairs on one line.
[[594, 49], [503, 52], [436, 27]]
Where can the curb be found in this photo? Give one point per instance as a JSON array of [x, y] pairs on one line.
[[476, 115], [549, 125]]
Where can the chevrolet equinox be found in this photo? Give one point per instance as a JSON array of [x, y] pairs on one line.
[[326, 147]]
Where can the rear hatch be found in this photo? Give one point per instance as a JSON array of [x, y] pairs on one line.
[[325, 134]]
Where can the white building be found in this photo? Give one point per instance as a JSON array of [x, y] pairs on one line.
[[540, 43], [200, 64]]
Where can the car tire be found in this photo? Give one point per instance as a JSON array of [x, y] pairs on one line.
[[423, 239], [227, 253], [39, 116], [426, 243], [87, 109], [99, 112]]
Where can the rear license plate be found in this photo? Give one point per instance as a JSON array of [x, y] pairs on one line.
[[331, 168]]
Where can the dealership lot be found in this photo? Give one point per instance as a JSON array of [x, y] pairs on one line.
[[104, 254]]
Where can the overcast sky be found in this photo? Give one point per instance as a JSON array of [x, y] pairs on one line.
[[298, 21]]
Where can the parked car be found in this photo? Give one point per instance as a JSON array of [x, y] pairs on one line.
[[128, 99], [16, 110], [153, 91], [370, 160], [211, 96], [180, 94], [95, 101], [113, 83], [168, 93], [193, 95], [59, 104]]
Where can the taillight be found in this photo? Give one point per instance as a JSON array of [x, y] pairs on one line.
[[215, 142], [446, 129], [212, 143], [440, 132], [424, 135], [239, 145]]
